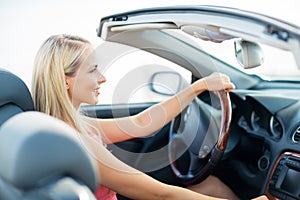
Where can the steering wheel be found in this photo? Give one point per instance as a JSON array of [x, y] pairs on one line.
[[190, 161]]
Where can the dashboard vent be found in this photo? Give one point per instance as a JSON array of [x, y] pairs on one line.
[[296, 135]]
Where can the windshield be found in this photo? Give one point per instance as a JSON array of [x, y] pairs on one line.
[[278, 64]]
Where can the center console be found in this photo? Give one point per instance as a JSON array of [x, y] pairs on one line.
[[284, 181]]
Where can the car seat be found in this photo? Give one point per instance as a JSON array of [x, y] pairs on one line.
[[38, 159], [14, 96]]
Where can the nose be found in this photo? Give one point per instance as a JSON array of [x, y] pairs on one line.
[[101, 78]]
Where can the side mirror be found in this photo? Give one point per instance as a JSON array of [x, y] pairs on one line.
[[166, 83], [248, 54]]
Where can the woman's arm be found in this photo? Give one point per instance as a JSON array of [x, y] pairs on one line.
[[121, 178], [155, 117]]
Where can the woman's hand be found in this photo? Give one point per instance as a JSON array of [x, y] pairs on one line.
[[214, 82], [263, 197]]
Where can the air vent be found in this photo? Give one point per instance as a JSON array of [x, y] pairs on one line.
[[296, 136]]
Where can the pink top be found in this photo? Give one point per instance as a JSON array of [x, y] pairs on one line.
[[103, 193]]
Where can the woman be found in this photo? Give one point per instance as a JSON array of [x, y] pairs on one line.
[[66, 75]]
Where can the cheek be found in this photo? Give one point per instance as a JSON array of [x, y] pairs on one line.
[[84, 87]]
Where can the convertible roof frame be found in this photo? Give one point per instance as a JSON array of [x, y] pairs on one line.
[[229, 21]]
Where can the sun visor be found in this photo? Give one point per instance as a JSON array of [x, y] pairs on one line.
[[208, 33], [143, 26]]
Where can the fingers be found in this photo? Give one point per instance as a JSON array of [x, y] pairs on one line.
[[230, 87], [223, 77], [261, 198], [219, 81], [226, 82]]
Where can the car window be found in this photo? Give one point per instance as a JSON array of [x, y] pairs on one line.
[[129, 78]]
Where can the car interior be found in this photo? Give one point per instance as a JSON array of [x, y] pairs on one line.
[[261, 155]]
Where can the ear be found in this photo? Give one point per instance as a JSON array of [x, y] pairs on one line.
[[67, 83]]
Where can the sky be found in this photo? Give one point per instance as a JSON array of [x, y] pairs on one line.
[[26, 24]]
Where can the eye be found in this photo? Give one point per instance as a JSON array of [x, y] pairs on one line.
[[94, 68]]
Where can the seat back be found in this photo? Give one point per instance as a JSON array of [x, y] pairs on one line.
[[40, 161], [14, 96]]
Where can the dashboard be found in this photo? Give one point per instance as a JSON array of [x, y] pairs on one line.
[[272, 119]]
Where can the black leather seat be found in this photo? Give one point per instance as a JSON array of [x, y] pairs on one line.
[[14, 96], [38, 159]]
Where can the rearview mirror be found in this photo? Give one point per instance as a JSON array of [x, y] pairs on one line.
[[248, 54], [166, 83]]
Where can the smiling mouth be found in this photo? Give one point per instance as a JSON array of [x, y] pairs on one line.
[[97, 92]]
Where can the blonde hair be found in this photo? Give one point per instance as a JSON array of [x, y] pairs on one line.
[[59, 55]]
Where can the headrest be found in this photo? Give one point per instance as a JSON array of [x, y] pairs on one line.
[[14, 95], [36, 149]]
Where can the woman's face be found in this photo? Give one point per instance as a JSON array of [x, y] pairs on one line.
[[84, 86]]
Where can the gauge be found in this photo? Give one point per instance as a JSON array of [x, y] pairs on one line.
[[255, 120], [275, 128], [296, 135]]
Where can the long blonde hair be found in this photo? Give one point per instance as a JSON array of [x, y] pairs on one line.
[[59, 55]]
